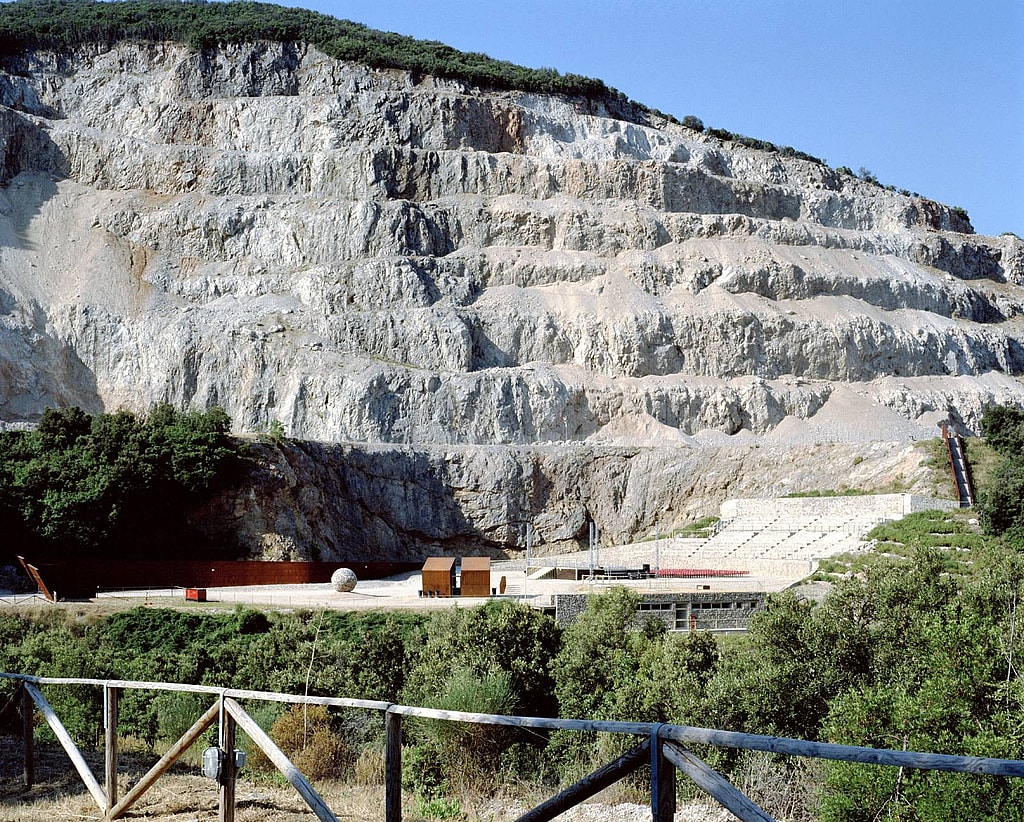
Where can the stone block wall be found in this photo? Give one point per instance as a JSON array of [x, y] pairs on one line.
[[680, 610]]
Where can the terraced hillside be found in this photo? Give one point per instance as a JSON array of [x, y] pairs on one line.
[[371, 255]]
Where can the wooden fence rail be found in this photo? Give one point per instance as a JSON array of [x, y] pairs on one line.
[[661, 747]]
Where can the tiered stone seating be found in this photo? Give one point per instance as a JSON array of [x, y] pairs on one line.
[[774, 536], [799, 529]]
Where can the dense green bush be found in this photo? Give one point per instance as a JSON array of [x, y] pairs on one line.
[[692, 122], [111, 484], [498, 637], [935, 679], [492, 659], [1002, 498]]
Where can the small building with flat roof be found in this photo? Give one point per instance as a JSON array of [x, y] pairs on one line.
[[476, 577], [438, 576]]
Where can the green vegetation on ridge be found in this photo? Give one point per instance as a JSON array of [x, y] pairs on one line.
[[65, 24]]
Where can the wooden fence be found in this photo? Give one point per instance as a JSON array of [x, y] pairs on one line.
[[661, 746]]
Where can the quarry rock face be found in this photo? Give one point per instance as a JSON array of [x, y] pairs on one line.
[[445, 279], [334, 501]]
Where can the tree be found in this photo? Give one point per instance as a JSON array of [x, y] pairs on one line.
[[692, 122], [500, 636], [770, 683], [594, 647], [1002, 499], [867, 175], [111, 484]]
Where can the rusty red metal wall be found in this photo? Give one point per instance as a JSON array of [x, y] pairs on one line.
[[73, 580]]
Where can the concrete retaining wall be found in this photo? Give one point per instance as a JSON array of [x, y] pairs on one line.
[[868, 506]]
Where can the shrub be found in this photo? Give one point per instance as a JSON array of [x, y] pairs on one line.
[[307, 736], [112, 484], [439, 808], [694, 123], [369, 766], [867, 176], [276, 432], [176, 712], [703, 527], [500, 637], [461, 755]]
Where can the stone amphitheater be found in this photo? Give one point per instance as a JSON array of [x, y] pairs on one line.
[[780, 537]]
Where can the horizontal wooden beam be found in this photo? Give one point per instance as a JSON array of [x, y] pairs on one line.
[[236, 693], [593, 725], [844, 753], [679, 733]]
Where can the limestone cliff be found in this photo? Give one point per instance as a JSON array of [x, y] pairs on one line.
[[370, 256], [307, 500]]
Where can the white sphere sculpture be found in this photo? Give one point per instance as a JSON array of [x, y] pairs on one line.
[[344, 580]]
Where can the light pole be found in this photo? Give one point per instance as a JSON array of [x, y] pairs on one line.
[[657, 549], [529, 545]]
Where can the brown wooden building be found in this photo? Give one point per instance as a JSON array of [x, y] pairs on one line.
[[439, 576], [476, 577]]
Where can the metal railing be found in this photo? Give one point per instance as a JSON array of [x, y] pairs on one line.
[[661, 746]]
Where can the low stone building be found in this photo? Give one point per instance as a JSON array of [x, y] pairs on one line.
[[717, 611]]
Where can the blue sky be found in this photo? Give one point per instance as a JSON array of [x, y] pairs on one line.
[[927, 96]]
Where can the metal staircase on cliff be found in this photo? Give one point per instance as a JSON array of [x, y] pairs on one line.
[[958, 465]]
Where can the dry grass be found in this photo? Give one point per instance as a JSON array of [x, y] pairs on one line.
[[180, 796], [184, 796]]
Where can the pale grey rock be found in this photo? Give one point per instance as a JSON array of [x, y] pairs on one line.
[[370, 257], [344, 580]]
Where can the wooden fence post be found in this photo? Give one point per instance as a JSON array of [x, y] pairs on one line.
[[393, 767], [716, 785], [663, 781], [227, 769], [110, 697], [28, 708]]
